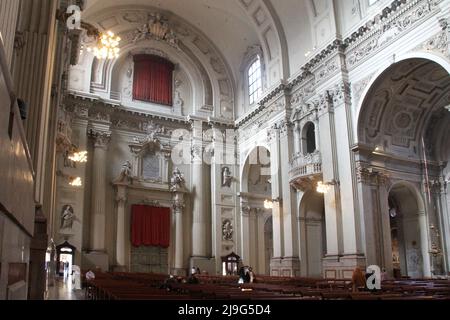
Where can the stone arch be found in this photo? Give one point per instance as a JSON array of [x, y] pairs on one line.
[[245, 166], [197, 89], [399, 105], [409, 244], [362, 102], [216, 74], [403, 123]]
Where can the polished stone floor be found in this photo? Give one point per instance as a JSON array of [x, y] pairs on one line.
[[63, 289]]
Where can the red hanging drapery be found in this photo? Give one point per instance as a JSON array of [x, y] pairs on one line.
[[152, 79], [150, 226]]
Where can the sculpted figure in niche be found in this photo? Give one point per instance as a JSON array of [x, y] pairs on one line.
[[227, 230], [67, 217], [125, 173], [177, 181], [226, 177]]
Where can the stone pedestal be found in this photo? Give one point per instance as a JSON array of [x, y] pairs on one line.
[[204, 264], [285, 267], [96, 260], [342, 267]]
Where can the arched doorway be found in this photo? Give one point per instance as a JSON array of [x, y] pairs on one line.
[[256, 208], [312, 232], [406, 225], [65, 258], [403, 130]]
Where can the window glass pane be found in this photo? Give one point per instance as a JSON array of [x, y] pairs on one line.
[[254, 81]]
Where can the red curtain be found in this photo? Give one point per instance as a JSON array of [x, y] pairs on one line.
[[152, 79], [150, 226]]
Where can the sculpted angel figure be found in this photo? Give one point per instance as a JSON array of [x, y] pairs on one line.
[[125, 173], [227, 178], [67, 217], [177, 181]]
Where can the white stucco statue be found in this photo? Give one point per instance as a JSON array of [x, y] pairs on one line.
[[177, 181], [67, 217], [125, 173], [76, 277]]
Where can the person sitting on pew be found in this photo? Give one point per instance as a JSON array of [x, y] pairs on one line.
[[90, 275], [358, 280], [241, 275], [247, 277], [168, 283], [251, 275], [193, 279]]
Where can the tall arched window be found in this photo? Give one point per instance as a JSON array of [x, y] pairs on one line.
[[153, 79], [254, 81]]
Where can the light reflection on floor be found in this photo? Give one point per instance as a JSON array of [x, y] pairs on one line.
[[63, 290]]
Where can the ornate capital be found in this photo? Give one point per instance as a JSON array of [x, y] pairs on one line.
[[284, 126], [341, 93], [324, 103], [101, 138], [245, 210], [436, 186], [369, 176], [272, 133], [121, 199], [178, 205]]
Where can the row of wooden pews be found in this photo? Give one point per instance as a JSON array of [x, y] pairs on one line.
[[135, 286]]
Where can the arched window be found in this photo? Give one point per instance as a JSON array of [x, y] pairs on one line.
[[309, 138], [254, 81], [153, 79]]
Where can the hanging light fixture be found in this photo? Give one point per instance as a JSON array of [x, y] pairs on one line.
[[324, 187], [79, 156], [268, 204], [107, 46], [75, 182]]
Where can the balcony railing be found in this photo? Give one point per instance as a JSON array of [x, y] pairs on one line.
[[304, 166]]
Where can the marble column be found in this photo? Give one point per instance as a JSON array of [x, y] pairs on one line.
[[330, 173], [178, 207], [98, 215], [121, 200], [199, 248], [291, 262], [245, 231], [277, 213]]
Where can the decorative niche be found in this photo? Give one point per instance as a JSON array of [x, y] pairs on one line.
[[150, 160]]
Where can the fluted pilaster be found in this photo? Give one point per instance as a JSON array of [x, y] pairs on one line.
[[98, 214]]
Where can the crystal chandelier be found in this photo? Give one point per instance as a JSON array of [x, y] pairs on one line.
[[107, 47]]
